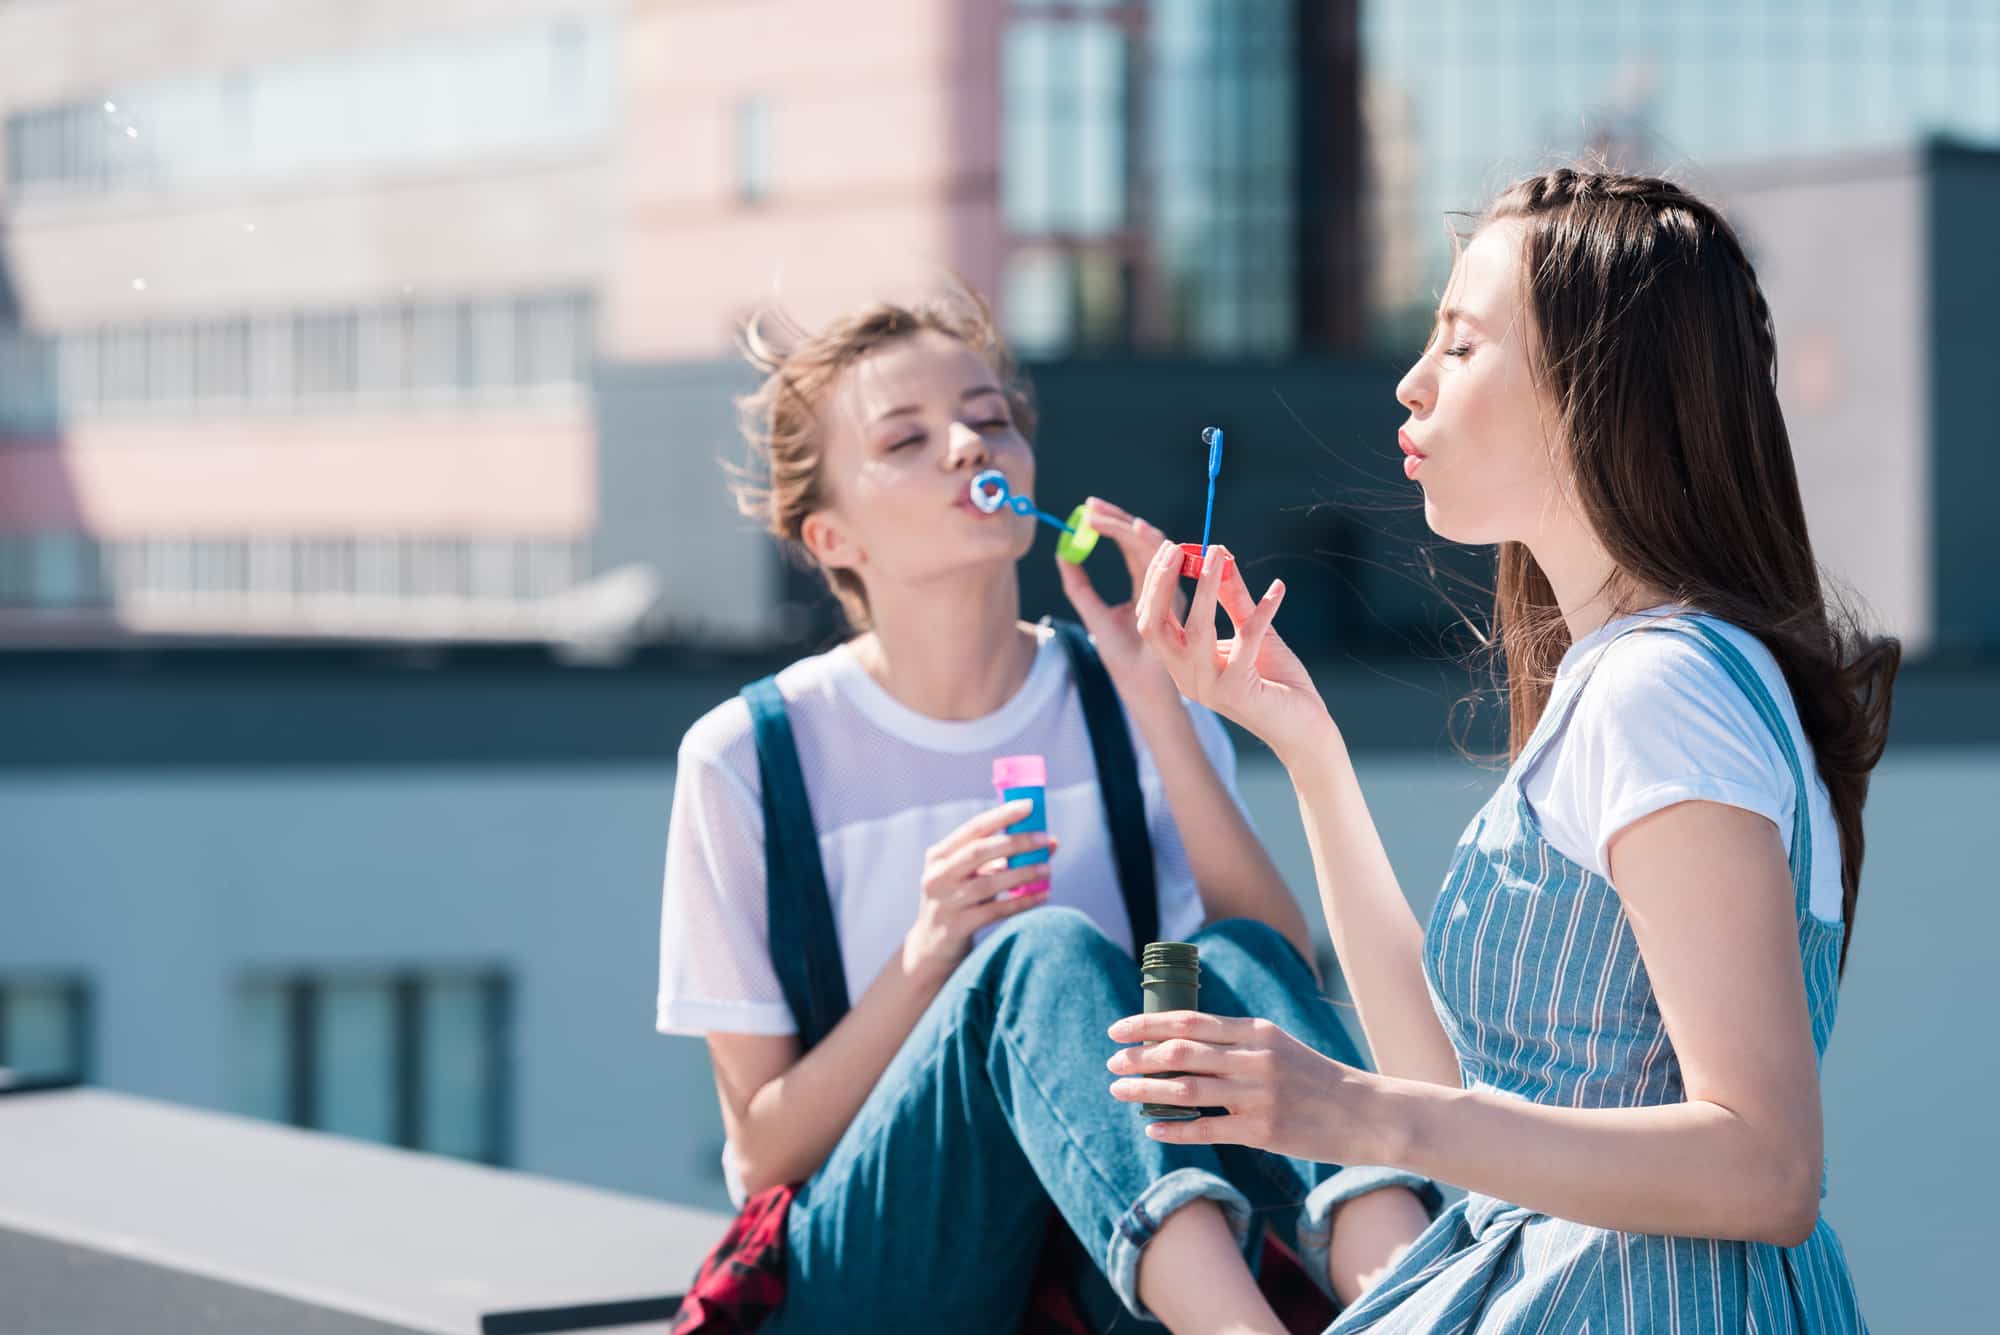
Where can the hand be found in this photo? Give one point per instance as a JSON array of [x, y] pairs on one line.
[[1254, 678], [1282, 1096], [963, 874], [1138, 674]]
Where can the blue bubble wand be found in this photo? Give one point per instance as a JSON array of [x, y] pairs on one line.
[[1212, 437], [990, 493]]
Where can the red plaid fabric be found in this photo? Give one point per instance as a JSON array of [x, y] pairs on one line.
[[743, 1280]]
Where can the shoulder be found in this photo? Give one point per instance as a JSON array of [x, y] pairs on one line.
[[1675, 670], [1666, 695], [722, 739]]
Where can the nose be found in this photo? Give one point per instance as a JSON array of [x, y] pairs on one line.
[[964, 447], [1417, 390]]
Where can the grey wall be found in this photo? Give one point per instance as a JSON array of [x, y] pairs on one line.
[[163, 884]]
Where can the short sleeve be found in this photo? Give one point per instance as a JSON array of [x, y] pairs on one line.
[[1659, 722], [715, 960]]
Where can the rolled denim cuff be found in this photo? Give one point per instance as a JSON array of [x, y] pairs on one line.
[[1316, 1217], [1138, 1225]]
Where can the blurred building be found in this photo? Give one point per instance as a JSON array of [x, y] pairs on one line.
[[305, 302], [1474, 93], [1880, 272], [305, 308]]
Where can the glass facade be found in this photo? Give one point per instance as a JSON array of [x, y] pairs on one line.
[[1148, 152], [447, 99], [411, 1059], [1464, 95], [68, 569], [477, 352], [1224, 158]]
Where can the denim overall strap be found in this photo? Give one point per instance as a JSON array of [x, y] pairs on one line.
[[1117, 783], [805, 949], [1738, 667], [804, 944]]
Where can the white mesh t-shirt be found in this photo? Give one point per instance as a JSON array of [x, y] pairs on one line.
[[885, 783]]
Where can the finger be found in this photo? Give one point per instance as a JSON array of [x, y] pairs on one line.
[[1187, 1091], [1234, 595], [988, 914], [1222, 1030], [1201, 615], [967, 861], [1250, 638], [982, 889], [1198, 1131], [1081, 594], [1110, 510], [986, 822], [1155, 601], [1183, 1056], [1136, 539]]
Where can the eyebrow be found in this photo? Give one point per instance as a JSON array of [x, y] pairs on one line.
[[967, 396], [1450, 313]]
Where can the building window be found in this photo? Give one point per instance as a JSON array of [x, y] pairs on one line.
[[416, 1059], [44, 1030], [1064, 128], [448, 99], [489, 351], [753, 149]]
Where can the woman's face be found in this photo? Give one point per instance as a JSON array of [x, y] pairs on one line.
[[906, 429], [1476, 440]]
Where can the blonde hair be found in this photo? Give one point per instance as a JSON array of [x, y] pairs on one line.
[[780, 421]]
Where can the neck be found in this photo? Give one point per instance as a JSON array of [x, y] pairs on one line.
[[952, 649], [1583, 577]]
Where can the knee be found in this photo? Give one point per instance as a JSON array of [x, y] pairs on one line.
[[1252, 938], [1049, 932], [1049, 942]]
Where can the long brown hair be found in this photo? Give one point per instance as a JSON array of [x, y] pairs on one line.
[[1654, 341]]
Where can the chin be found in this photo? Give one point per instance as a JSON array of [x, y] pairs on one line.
[[1454, 526]]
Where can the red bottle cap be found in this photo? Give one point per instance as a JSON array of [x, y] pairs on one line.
[[1191, 561]]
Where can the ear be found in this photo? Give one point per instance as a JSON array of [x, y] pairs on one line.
[[827, 541]]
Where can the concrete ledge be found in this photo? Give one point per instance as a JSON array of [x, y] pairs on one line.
[[126, 1213]]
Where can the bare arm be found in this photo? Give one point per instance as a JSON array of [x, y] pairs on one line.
[[1231, 867], [1256, 680], [784, 1113], [1709, 897], [1706, 890], [1375, 934]]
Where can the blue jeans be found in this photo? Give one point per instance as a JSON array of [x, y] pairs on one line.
[[930, 1212]]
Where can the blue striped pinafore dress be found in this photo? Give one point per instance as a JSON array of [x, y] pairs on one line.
[[1533, 971]]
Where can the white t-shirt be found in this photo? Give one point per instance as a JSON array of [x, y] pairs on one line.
[[1661, 722], [885, 783]]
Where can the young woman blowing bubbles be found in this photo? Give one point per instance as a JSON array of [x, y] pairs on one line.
[[1610, 1029], [962, 1093]]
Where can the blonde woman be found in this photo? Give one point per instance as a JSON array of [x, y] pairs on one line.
[[892, 1026]]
